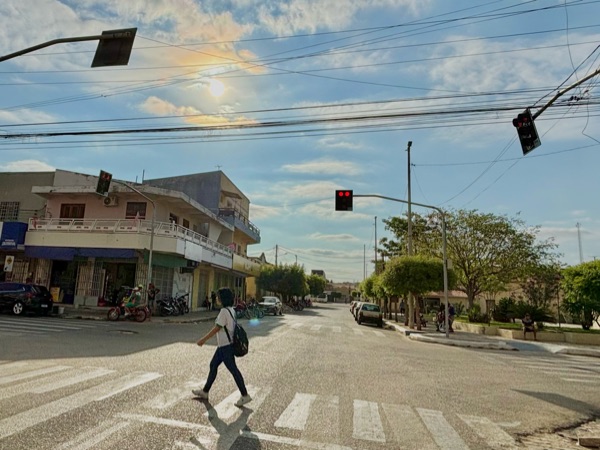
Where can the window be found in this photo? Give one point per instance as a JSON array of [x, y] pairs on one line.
[[134, 209], [186, 224], [9, 211], [72, 210], [173, 218]]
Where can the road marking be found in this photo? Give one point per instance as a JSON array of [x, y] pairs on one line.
[[442, 432], [367, 422], [227, 409], [67, 379], [26, 419], [337, 329], [291, 441], [94, 436], [34, 330], [378, 333], [32, 373], [315, 328], [404, 423], [296, 414], [37, 325], [168, 398], [168, 422], [575, 380], [357, 331], [296, 325], [494, 436], [11, 366]]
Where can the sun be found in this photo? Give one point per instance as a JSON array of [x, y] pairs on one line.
[[216, 88]]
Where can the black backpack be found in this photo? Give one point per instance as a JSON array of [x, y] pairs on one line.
[[240, 338]]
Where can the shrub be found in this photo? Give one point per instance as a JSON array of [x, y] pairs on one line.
[[505, 311], [459, 309], [475, 316]]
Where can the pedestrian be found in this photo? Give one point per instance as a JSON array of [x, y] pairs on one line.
[[152, 291], [224, 352], [213, 300], [451, 314], [528, 325]]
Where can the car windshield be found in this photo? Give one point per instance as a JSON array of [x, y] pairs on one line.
[[367, 307], [268, 300]]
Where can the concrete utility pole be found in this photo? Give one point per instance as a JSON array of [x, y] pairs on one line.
[[578, 225], [376, 269], [411, 301], [276, 249]]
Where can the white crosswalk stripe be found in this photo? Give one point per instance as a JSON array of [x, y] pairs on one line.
[[42, 325], [315, 416]]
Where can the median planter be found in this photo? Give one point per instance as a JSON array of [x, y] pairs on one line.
[[476, 328], [582, 338]]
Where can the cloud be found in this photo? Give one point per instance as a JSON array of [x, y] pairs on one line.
[[336, 143], [259, 212], [324, 166], [27, 165], [332, 237]]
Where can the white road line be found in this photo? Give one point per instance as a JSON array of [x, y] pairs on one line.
[[404, 423], [291, 441], [357, 331], [337, 329], [296, 414], [168, 398], [14, 366], [315, 328], [379, 333], [442, 432], [367, 422], [493, 436], [575, 380], [296, 325], [32, 373], [37, 325], [94, 436], [227, 409], [26, 419], [73, 376], [33, 330]]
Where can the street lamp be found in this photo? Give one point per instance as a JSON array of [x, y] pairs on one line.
[[113, 49]]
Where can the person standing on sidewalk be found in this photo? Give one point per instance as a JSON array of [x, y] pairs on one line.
[[224, 351], [213, 300]]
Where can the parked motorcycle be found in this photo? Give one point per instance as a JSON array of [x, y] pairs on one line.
[[182, 303], [167, 306]]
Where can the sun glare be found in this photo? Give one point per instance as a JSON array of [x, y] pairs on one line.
[[216, 88]]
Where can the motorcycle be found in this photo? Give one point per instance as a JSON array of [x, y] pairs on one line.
[[182, 303], [167, 306], [139, 313]]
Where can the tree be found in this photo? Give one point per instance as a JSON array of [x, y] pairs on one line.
[[416, 275], [581, 287], [286, 280], [366, 287], [316, 284], [486, 250]]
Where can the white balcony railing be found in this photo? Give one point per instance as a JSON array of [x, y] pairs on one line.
[[126, 226]]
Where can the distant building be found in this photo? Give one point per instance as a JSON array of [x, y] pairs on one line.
[[321, 273]]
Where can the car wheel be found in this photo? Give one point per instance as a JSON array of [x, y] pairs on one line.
[[18, 308], [359, 321]]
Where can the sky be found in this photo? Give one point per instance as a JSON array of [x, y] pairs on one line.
[[295, 99]]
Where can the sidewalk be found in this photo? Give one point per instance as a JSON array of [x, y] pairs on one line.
[[101, 312], [472, 340]]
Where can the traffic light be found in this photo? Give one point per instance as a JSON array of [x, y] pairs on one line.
[[527, 132], [103, 183], [343, 200]]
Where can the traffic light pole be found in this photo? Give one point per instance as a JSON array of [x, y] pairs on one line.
[[444, 247], [149, 276]]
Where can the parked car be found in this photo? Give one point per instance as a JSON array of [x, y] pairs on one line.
[[356, 308], [352, 305], [271, 305], [370, 312], [22, 298]]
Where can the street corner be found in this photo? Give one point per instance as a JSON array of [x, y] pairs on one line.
[[592, 353], [500, 345]]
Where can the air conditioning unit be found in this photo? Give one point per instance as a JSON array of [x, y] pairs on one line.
[[111, 201]]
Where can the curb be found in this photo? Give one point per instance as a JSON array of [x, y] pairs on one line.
[[462, 343], [579, 352]]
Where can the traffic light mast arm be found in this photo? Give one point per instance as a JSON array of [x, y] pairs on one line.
[[444, 245], [564, 91]]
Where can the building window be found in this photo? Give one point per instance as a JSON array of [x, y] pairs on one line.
[[173, 218], [9, 211], [186, 224], [135, 209], [72, 210]]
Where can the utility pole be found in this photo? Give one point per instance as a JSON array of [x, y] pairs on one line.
[[411, 301], [364, 262], [276, 248], [578, 225], [376, 270]]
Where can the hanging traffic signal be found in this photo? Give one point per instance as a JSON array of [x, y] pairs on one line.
[[103, 183], [343, 200], [527, 132]]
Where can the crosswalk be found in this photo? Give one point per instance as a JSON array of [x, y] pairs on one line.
[[573, 369], [329, 329], [20, 326], [377, 425]]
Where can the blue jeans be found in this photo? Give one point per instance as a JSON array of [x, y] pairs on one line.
[[225, 355]]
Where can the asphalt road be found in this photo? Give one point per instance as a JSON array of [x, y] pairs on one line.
[[318, 380]]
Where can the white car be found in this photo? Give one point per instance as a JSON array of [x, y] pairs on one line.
[[271, 305]]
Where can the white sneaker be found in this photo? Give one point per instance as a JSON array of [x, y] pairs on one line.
[[200, 393], [243, 400]]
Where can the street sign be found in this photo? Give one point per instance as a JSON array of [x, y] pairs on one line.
[[114, 49]]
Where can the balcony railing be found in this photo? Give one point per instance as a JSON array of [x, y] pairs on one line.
[[237, 219], [126, 226]]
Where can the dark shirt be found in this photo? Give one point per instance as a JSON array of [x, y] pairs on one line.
[[527, 323]]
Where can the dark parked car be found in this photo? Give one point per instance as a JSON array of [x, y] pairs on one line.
[[22, 298]]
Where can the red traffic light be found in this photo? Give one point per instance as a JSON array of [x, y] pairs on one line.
[[343, 200]]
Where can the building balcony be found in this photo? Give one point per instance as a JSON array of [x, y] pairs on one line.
[[241, 223], [127, 234]]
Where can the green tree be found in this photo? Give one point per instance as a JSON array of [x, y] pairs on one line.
[[366, 287], [581, 287], [416, 275], [286, 280], [486, 250], [316, 284]]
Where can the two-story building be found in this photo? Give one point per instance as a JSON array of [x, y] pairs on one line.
[[89, 246]]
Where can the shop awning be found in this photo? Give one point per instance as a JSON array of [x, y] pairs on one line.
[[165, 260], [68, 253]]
